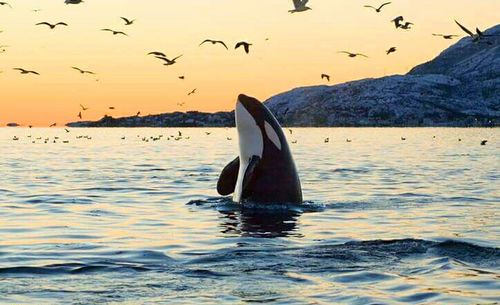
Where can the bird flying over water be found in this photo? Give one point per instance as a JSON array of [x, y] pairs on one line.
[[5, 3], [352, 55], [53, 125], [445, 36], [245, 45], [325, 76], [391, 50], [215, 42], [299, 6], [128, 21], [52, 26], [168, 62], [378, 10], [192, 92], [24, 71], [80, 115], [83, 107], [406, 25], [114, 32], [182, 77], [82, 71], [73, 1]]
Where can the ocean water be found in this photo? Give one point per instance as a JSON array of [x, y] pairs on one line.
[[106, 220]]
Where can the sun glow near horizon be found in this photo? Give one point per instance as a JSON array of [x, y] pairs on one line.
[[300, 48]]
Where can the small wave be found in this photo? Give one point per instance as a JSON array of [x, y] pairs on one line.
[[226, 204]]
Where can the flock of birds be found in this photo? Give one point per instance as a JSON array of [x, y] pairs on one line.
[[299, 6], [174, 137]]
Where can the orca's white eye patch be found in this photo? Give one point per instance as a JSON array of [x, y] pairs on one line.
[[272, 135]]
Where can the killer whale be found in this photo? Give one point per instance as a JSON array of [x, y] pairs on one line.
[[264, 172]]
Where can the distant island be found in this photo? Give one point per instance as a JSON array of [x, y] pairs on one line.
[[459, 88]]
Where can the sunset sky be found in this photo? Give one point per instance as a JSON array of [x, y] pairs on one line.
[[300, 47]]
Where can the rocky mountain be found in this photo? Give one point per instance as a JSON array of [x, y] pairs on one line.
[[460, 87]]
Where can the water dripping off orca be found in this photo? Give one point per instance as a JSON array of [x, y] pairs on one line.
[[264, 172]]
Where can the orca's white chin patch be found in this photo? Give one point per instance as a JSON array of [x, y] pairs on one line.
[[250, 141]]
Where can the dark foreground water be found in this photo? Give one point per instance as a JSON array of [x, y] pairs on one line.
[[112, 220]]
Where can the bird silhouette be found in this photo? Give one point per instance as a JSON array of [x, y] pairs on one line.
[[475, 36], [181, 104], [156, 53], [83, 107], [111, 108], [483, 142], [352, 55], [168, 62], [114, 32], [300, 6], [391, 50], [73, 1], [128, 21], [378, 9], [182, 77], [82, 71], [52, 26], [192, 92], [215, 42], [80, 115], [406, 25], [5, 3], [325, 76], [445, 36], [53, 125], [245, 45], [397, 21], [24, 71]]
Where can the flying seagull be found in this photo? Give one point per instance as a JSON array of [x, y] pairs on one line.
[[181, 104], [245, 45], [192, 92], [53, 125], [169, 62], [445, 36], [215, 42], [5, 3], [182, 77], [83, 107], [156, 53], [114, 32], [299, 6], [397, 21], [73, 1], [352, 55], [325, 76], [128, 21], [82, 71], [406, 26], [80, 115], [24, 71], [391, 50], [475, 36], [52, 26], [378, 10]]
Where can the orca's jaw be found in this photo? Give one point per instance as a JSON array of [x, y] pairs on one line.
[[251, 143]]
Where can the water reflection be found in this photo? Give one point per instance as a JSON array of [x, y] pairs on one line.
[[263, 224]]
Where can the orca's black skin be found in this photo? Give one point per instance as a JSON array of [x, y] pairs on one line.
[[271, 178]]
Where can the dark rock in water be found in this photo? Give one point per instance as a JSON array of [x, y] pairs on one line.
[[460, 87], [13, 125]]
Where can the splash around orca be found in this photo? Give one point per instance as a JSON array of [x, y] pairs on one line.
[[264, 172]]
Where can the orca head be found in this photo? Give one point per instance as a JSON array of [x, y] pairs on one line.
[[255, 123]]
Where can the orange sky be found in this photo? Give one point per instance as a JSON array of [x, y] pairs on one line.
[[300, 48]]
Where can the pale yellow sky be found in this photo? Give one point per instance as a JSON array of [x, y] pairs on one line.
[[300, 48]]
